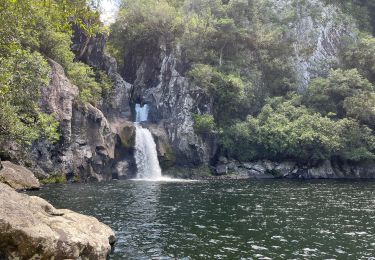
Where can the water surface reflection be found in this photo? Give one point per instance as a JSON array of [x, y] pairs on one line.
[[229, 219]]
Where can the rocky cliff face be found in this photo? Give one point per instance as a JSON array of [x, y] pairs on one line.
[[91, 50], [316, 29], [318, 32], [98, 142], [156, 78], [90, 146], [85, 133], [266, 169], [173, 100]]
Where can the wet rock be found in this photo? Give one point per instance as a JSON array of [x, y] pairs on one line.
[[232, 166], [126, 134], [285, 168], [268, 165], [248, 165], [221, 169], [289, 169], [324, 171], [31, 228], [259, 167], [252, 174], [337, 170], [166, 155], [18, 177], [121, 170]]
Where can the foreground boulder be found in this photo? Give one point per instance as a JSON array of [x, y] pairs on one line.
[[31, 228], [18, 177]]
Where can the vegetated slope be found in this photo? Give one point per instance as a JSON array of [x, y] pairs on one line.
[[247, 80], [276, 79]]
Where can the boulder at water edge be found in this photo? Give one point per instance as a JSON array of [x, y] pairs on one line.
[[31, 228], [18, 177]]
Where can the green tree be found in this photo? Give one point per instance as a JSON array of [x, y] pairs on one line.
[[327, 95], [285, 130], [361, 55], [31, 31], [228, 91], [23, 74], [143, 22], [361, 108], [357, 141]]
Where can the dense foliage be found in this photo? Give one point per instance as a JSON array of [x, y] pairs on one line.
[[204, 124], [286, 129], [31, 32], [241, 54]]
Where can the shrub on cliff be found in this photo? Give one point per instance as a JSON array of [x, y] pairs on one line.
[[361, 55], [204, 124], [229, 92], [362, 108], [327, 95], [284, 130]]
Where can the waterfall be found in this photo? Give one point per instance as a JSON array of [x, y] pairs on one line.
[[141, 113], [146, 156]]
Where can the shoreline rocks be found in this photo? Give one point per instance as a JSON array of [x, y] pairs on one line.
[[265, 169], [18, 177], [31, 228]]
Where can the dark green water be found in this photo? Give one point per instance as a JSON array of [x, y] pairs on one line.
[[229, 219]]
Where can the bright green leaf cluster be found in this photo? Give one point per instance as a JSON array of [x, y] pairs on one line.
[[204, 124]]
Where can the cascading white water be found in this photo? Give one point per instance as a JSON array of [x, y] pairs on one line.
[[146, 156], [141, 113]]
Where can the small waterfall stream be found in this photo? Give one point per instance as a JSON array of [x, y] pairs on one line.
[[146, 156]]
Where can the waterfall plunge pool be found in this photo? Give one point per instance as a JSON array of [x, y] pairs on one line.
[[231, 219]]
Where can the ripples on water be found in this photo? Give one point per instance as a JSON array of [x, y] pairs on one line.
[[229, 219]]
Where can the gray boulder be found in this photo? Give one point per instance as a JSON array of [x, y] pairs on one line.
[[31, 228], [18, 177]]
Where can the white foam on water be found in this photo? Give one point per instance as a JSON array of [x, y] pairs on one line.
[[163, 179]]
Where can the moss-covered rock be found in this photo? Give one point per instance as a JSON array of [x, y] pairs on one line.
[[54, 179]]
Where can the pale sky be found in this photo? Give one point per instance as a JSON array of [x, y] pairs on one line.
[[108, 10]]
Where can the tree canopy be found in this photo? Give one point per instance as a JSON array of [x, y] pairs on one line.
[[30, 33]]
